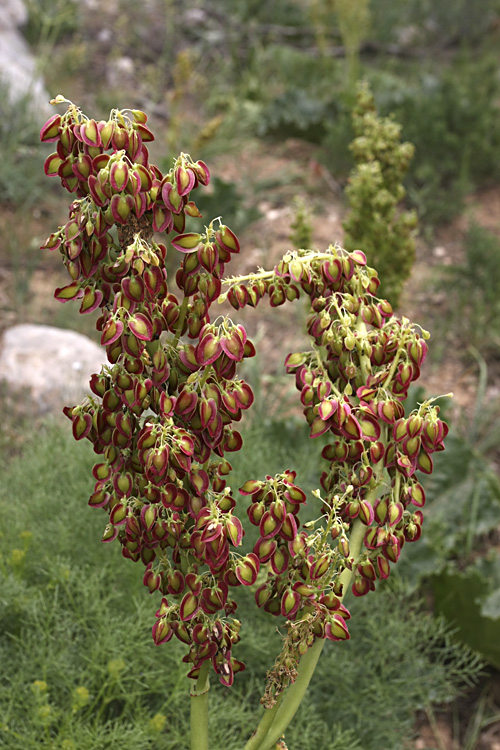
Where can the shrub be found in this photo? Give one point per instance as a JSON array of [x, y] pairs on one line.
[[473, 291], [453, 120], [375, 191], [21, 158]]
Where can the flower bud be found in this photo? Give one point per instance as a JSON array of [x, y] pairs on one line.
[[417, 495], [247, 569], [399, 430], [141, 326], [414, 425], [185, 180], [330, 601], [298, 545], [370, 538], [417, 351], [392, 549], [121, 205], [366, 513], [264, 548], [262, 595], [234, 530], [118, 175], [424, 462], [187, 243], [51, 129], [343, 546], [383, 567], [81, 425], [227, 239], [151, 579], [288, 530], [362, 586]]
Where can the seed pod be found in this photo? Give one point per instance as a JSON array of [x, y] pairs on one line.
[[336, 629]]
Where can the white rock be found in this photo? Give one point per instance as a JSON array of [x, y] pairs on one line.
[[120, 70], [439, 252], [12, 13], [51, 366], [17, 64]]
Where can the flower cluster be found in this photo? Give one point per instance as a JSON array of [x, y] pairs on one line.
[[162, 412], [299, 575], [352, 387]]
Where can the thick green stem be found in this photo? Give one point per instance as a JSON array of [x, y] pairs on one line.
[[295, 693], [199, 710], [265, 724]]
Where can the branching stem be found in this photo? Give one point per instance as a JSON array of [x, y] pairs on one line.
[[292, 698]]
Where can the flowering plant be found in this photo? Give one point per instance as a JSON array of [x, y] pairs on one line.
[[163, 410]]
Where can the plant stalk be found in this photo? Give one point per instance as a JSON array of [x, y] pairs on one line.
[[265, 724], [295, 693], [199, 709]]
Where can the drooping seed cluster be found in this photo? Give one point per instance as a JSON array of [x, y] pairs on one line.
[[352, 386], [162, 411]]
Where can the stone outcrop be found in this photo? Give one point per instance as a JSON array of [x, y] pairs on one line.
[[46, 368], [17, 64]]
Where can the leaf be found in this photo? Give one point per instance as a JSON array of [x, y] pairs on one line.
[[458, 597]]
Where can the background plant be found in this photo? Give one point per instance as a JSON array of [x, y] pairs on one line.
[[302, 226], [60, 617], [21, 157], [437, 105], [472, 291], [353, 20], [458, 558], [375, 192]]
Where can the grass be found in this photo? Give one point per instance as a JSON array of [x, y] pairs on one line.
[[473, 288], [79, 666]]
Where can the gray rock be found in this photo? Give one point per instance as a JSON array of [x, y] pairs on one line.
[[12, 13], [50, 367], [17, 64]]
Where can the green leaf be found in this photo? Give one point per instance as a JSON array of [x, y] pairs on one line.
[[459, 597]]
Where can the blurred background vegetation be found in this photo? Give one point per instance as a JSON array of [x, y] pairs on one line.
[[264, 92]]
